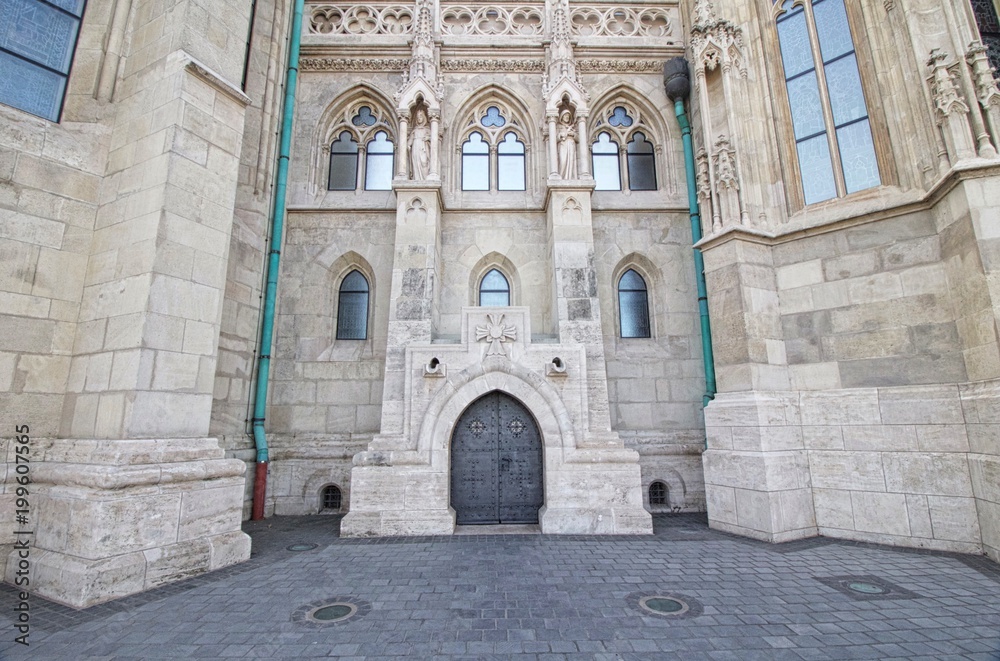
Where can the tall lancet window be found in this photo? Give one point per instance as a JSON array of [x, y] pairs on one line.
[[352, 308], [378, 164], [343, 163], [833, 137], [633, 305], [510, 163], [475, 163], [607, 171], [494, 290]]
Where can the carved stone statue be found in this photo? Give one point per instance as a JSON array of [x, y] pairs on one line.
[[566, 136], [420, 146]]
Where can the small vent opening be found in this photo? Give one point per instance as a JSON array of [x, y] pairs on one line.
[[657, 493], [332, 498]]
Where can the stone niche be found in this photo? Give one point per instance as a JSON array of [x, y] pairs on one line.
[[592, 483], [116, 517]]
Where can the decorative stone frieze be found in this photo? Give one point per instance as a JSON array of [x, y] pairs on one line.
[[511, 20], [476, 65], [368, 19], [622, 21], [590, 65], [354, 63]]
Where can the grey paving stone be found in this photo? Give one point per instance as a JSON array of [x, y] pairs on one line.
[[540, 597]]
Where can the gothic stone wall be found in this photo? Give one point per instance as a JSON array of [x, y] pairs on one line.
[[884, 433], [326, 394]]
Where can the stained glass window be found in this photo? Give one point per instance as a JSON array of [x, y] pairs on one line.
[[37, 42], [343, 162], [989, 29], [633, 305], [641, 163], [833, 139], [510, 163], [607, 169], [475, 163], [378, 163], [494, 290], [352, 308]]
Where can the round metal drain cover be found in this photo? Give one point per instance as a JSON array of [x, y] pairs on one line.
[[332, 612], [302, 547], [866, 588], [664, 605]]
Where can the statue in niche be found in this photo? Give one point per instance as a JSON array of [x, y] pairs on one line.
[[566, 136], [420, 145]]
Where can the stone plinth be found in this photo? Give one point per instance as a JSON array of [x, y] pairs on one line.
[[592, 483], [112, 518]]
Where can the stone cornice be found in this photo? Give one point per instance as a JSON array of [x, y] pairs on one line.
[[925, 202], [214, 79]]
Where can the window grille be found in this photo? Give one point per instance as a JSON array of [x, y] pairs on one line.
[[657, 493], [332, 498]]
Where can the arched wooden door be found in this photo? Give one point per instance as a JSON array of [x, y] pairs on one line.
[[496, 463]]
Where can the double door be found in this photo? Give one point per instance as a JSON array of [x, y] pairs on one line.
[[496, 463]]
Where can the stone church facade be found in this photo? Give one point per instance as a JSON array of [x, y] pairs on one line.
[[487, 302]]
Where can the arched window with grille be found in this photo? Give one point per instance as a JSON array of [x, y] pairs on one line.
[[343, 163], [834, 146], [333, 499], [633, 305], [352, 308], [378, 163], [494, 290], [657, 493]]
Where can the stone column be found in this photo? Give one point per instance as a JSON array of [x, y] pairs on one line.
[[553, 146], [412, 312], [756, 469], [435, 168], [583, 147], [577, 309], [402, 148]]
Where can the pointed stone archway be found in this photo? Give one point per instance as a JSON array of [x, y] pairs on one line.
[[496, 463]]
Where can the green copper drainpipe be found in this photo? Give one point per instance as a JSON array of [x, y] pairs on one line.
[[274, 255], [678, 85]]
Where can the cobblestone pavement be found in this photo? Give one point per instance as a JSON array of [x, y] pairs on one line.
[[542, 597]]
